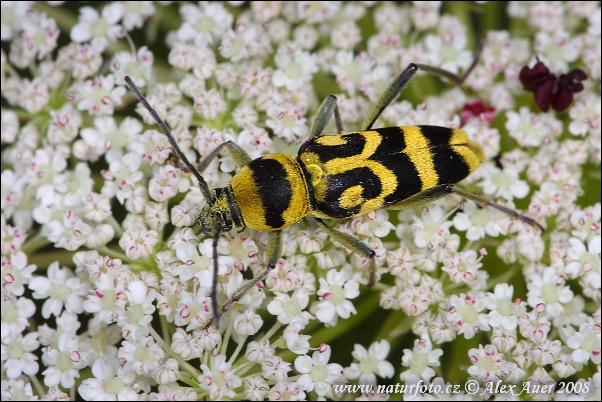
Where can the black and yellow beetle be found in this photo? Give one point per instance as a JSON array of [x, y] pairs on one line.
[[334, 177]]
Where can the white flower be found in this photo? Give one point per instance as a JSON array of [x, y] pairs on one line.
[[586, 116], [504, 310], [448, 51], [196, 266], [286, 122], [17, 390], [99, 95], [370, 363], [286, 307], [16, 274], [135, 13], [100, 29], [546, 292], [137, 66], [69, 233], [140, 354], [432, 229], [17, 354], [258, 351], [138, 312], [194, 309], [488, 365], [463, 267], [62, 289], [504, 340], [219, 380], [37, 39], [316, 12], [334, 292], [317, 373], [15, 315], [106, 299], [425, 14], [295, 341], [546, 16], [582, 261], [243, 42], [556, 49], [586, 343], [415, 299], [106, 135], [110, 383], [350, 71], [420, 361], [204, 24], [286, 391], [546, 352], [295, 68], [256, 388], [534, 326], [466, 314], [505, 183], [525, 127], [63, 362], [209, 103]]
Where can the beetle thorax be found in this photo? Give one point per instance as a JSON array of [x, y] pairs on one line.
[[221, 215]]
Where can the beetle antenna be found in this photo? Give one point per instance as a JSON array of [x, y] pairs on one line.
[[214, 304], [174, 145]]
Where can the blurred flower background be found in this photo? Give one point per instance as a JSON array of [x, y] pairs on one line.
[[106, 278]]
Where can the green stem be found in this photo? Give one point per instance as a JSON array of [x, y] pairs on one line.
[[169, 351], [34, 243]]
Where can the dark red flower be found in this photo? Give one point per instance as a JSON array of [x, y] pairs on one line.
[[568, 84], [477, 109], [548, 89]]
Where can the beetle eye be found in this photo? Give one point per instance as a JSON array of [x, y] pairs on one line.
[[226, 222]]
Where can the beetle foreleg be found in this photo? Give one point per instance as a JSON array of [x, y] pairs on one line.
[[274, 253], [239, 155]]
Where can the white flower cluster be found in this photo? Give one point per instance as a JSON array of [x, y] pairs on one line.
[[106, 281]]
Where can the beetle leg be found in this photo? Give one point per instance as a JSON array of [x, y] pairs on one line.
[[354, 244], [274, 252], [440, 191], [406, 75], [423, 197], [239, 155], [327, 109], [390, 94], [485, 202], [456, 79]]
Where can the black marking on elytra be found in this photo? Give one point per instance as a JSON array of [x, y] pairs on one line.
[[449, 165], [338, 183], [436, 136], [354, 145]]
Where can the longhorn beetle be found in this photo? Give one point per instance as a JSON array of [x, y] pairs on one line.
[[335, 177]]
